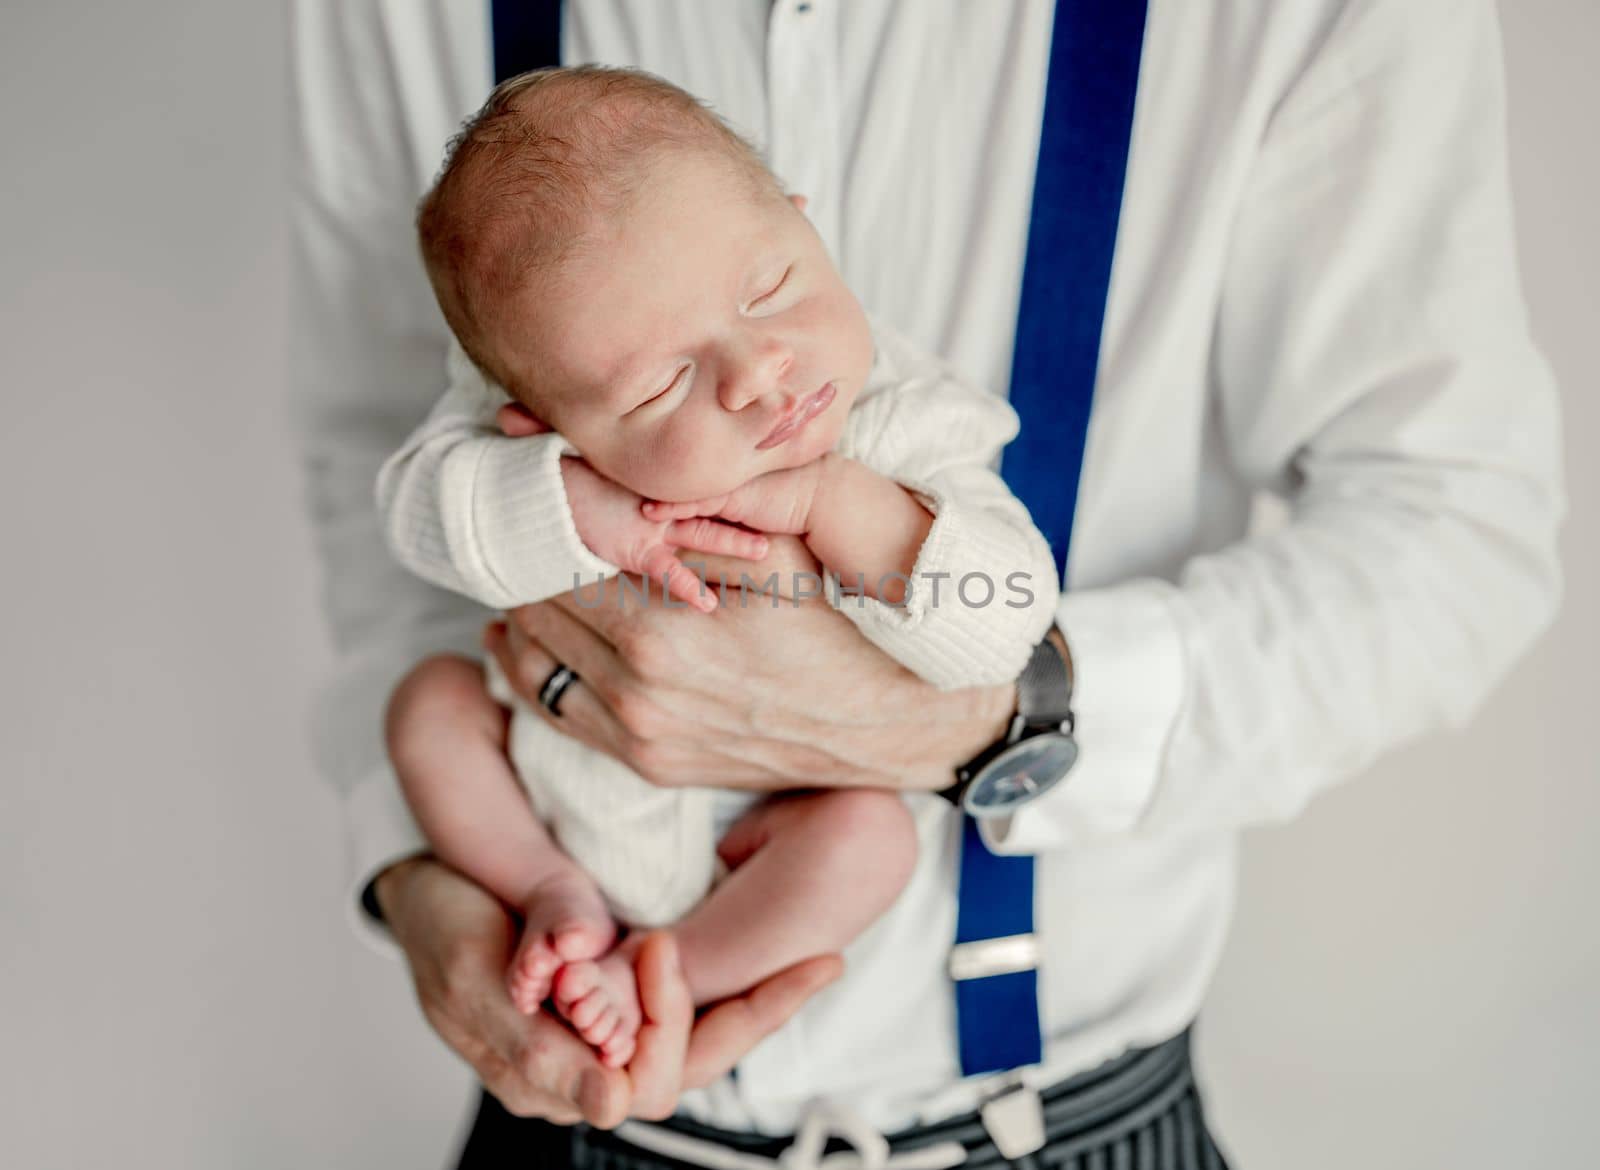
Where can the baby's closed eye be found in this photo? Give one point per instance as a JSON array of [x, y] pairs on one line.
[[682, 376]]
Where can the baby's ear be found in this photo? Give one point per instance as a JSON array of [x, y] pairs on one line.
[[799, 202], [517, 421]]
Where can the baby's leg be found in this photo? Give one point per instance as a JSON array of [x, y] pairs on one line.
[[447, 740], [810, 873]]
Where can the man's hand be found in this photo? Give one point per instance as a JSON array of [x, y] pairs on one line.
[[677, 1050], [764, 693], [458, 939]]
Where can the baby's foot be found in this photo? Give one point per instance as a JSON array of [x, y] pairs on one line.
[[564, 920], [601, 1001]]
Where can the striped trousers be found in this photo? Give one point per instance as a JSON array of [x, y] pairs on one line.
[[1140, 1111]]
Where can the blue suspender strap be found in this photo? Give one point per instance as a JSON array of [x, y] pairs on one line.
[[1095, 50], [527, 35], [1077, 199], [997, 1015]]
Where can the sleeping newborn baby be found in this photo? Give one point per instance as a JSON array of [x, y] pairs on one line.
[[657, 358]]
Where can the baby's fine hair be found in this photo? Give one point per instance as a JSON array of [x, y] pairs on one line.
[[526, 178]]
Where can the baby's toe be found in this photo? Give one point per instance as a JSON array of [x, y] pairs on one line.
[[604, 1026], [618, 1048], [520, 990], [525, 990], [586, 1012], [531, 971], [574, 981]]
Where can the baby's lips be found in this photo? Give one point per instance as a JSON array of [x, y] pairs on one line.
[[797, 419]]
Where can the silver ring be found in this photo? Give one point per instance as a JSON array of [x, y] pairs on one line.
[[554, 687]]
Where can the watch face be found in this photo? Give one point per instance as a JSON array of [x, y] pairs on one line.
[[1020, 773]]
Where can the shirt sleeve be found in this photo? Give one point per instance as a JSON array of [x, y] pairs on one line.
[[983, 589], [1375, 369], [367, 359], [472, 510]]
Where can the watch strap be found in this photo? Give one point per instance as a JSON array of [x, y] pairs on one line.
[[1044, 699], [1044, 691]]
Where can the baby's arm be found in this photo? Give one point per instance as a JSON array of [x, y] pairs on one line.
[[866, 528], [984, 584], [513, 520]]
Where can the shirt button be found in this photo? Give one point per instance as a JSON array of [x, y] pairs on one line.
[[802, 8]]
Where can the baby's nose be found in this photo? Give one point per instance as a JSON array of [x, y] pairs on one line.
[[762, 375]]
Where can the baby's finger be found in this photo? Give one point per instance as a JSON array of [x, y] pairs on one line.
[[518, 422], [703, 534], [658, 511], [661, 510], [663, 566]]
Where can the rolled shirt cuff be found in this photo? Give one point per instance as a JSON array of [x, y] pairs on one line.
[[1128, 666], [380, 831]]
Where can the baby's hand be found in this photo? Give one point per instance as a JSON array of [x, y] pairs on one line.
[[518, 422], [778, 502], [611, 521]]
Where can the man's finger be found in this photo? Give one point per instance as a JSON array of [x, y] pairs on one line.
[[725, 1033], [524, 662], [497, 644], [657, 1067], [565, 639], [604, 1096], [527, 665]]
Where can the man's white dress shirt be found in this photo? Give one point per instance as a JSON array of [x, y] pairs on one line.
[[1315, 295]]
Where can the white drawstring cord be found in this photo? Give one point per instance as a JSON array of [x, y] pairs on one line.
[[822, 1120]]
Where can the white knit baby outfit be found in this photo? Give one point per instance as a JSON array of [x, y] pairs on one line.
[[485, 515]]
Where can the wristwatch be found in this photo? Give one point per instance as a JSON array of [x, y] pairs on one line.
[[1038, 749]]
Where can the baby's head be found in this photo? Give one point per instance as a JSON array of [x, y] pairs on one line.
[[611, 253]]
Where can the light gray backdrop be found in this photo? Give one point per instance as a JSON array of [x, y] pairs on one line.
[[1414, 977]]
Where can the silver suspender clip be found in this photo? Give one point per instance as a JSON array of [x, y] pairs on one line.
[[985, 957], [1014, 1120]]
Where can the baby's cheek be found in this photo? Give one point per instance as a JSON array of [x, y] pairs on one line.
[[687, 462], [859, 330]]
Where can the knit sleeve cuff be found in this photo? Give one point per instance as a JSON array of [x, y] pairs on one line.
[[981, 595], [525, 529]]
